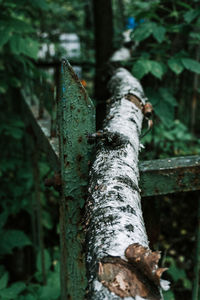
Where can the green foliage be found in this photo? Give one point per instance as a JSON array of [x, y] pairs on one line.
[[13, 291], [18, 43], [51, 290], [11, 239], [178, 273], [175, 65], [164, 103], [167, 39], [172, 139], [169, 295], [145, 66], [191, 65], [164, 60], [177, 276], [18, 197], [150, 28], [47, 262]]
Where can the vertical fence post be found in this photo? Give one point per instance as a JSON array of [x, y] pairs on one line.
[[76, 119], [195, 291]]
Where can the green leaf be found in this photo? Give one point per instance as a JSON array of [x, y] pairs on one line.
[[31, 49], [42, 4], [141, 68], [4, 36], [195, 35], [47, 261], [144, 31], [187, 284], [190, 15], [26, 46], [13, 291], [159, 33], [169, 295], [52, 289], [191, 65], [16, 133], [16, 43], [175, 65], [47, 220], [11, 239], [4, 281], [156, 69]]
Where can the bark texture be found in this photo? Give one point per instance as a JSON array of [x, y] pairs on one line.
[[116, 235]]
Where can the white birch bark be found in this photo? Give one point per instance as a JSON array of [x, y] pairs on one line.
[[114, 213]]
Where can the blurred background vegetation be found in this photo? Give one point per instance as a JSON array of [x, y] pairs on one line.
[[164, 47]]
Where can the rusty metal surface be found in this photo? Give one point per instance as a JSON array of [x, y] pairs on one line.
[[76, 118], [157, 177], [170, 175]]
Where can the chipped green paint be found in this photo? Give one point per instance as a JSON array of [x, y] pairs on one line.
[[170, 175], [76, 117]]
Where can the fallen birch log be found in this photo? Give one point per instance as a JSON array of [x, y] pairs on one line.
[[119, 261]]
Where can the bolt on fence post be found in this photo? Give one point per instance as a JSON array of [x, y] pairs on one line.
[[76, 120]]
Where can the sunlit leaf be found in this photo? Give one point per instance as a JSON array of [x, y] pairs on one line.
[[190, 15], [156, 69], [141, 68], [175, 65]]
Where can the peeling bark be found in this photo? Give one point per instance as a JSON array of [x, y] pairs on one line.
[[120, 263]]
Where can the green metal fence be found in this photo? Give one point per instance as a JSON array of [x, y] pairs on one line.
[[69, 153]]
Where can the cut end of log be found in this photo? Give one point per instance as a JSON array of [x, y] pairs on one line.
[[139, 276]]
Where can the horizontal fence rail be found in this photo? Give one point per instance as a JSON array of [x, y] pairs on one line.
[[170, 175], [157, 177]]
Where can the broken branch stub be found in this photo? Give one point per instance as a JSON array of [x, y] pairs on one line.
[[120, 263]]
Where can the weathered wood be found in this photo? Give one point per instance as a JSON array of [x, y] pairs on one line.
[[171, 175], [114, 214]]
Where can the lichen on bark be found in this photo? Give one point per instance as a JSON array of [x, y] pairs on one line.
[[114, 214]]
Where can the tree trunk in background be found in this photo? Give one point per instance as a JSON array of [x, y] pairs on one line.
[[103, 29], [120, 263]]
